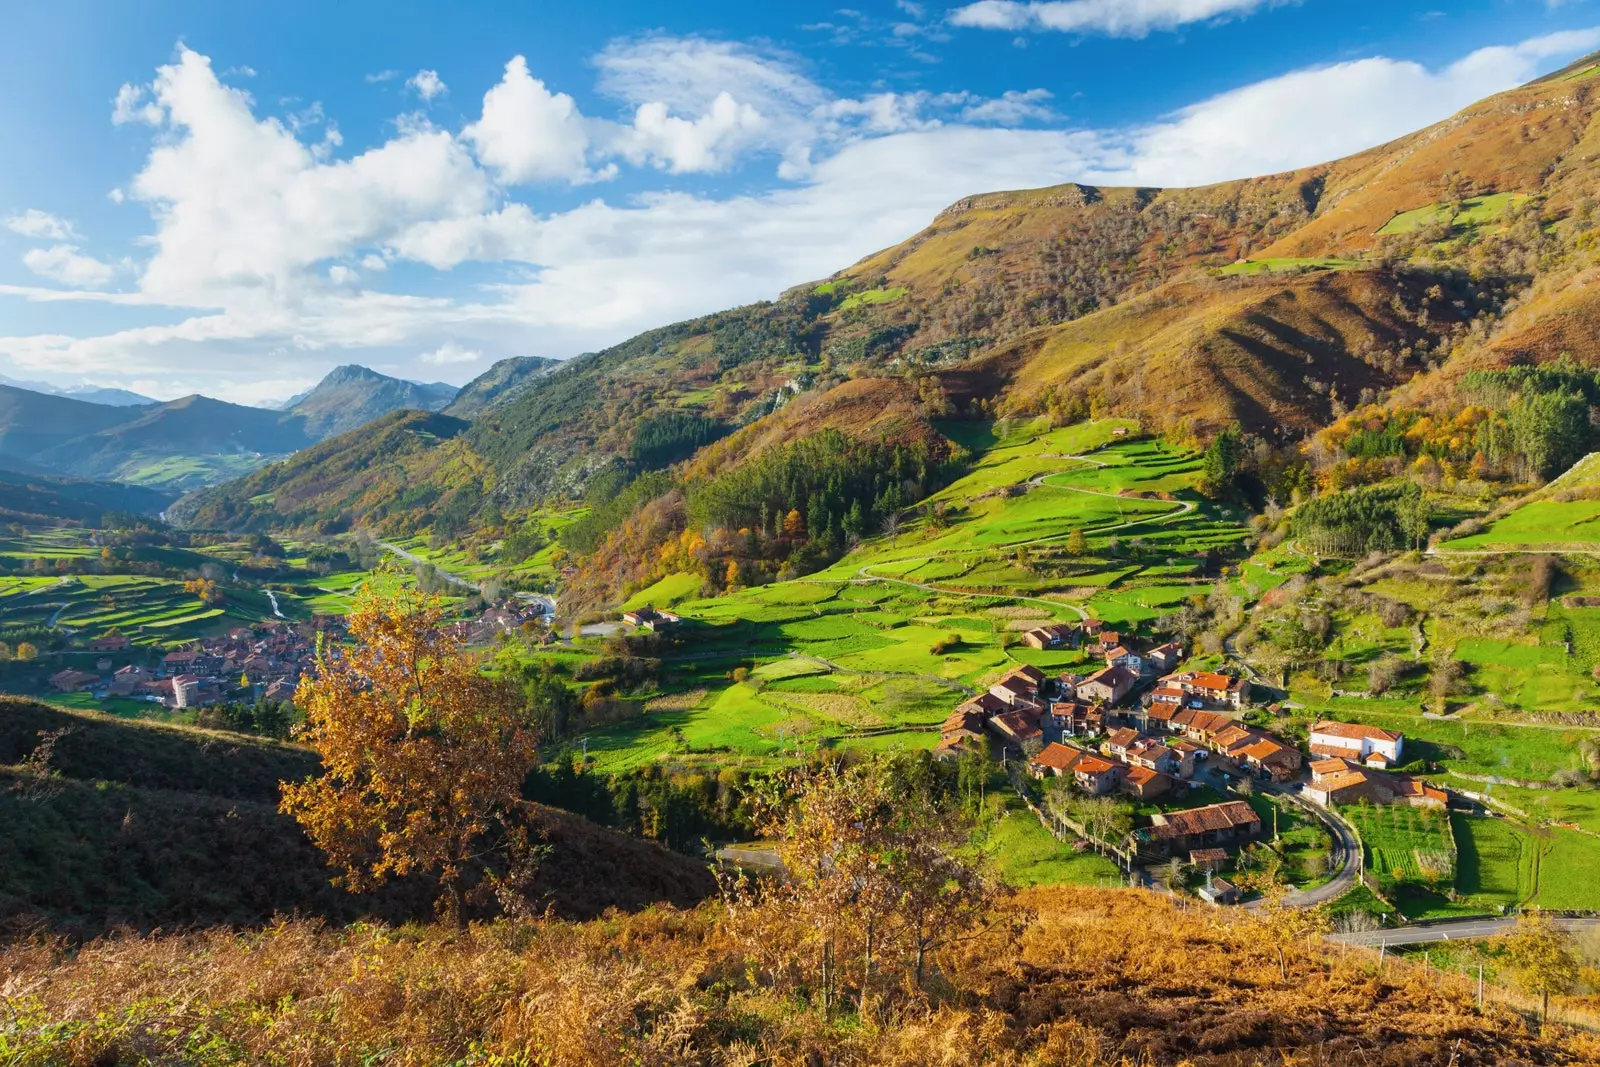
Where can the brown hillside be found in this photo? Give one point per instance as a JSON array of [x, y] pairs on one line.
[[1272, 353], [1098, 979], [887, 409], [145, 825]]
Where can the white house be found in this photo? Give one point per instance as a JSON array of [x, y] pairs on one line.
[[1361, 744]]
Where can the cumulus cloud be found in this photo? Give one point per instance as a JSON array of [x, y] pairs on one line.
[[39, 225], [449, 354], [685, 146], [249, 224], [65, 264], [427, 84], [527, 133], [1117, 18]]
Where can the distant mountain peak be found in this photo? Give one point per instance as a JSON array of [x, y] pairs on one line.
[[350, 395]]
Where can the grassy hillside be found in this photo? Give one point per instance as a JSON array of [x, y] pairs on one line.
[[407, 465], [46, 500], [147, 825]]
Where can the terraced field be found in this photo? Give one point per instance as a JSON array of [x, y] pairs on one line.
[[846, 657]]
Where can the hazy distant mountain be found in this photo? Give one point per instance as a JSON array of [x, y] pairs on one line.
[[353, 395], [42, 498], [94, 394], [180, 444], [497, 385]]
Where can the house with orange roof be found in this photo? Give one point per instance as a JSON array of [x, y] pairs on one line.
[[1356, 741]]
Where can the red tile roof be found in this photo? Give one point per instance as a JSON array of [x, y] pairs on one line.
[[1354, 731]]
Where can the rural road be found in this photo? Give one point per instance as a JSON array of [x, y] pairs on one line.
[[1448, 931], [547, 602], [453, 579]]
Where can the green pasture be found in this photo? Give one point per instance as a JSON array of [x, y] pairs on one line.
[[1285, 265], [868, 297], [1476, 211], [1025, 854], [1541, 523]]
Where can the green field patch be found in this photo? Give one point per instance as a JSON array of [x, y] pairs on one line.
[[869, 297], [1541, 523], [1476, 211], [1025, 854], [1495, 863], [1285, 265], [1405, 844], [671, 590]]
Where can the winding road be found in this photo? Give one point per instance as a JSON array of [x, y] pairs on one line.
[[547, 602], [1449, 930]]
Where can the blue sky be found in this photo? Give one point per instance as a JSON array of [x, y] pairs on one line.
[[202, 198]]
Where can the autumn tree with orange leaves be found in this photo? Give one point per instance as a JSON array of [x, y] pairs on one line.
[[423, 759]]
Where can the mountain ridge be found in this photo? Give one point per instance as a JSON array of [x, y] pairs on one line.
[[1273, 302]]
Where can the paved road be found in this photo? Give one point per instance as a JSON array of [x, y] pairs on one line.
[[453, 579], [1448, 931], [547, 602]]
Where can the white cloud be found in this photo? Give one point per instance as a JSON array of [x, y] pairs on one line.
[[248, 224], [1118, 18], [40, 225], [382, 76], [65, 264], [451, 353], [244, 209], [527, 133], [132, 105], [1315, 115], [427, 84], [683, 146]]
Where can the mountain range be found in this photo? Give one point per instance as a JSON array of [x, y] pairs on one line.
[[1276, 303], [88, 433]]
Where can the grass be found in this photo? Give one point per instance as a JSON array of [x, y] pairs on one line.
[[1476, 211], [1539, 524], [1252, 267], [869, 297], [1025, 853]]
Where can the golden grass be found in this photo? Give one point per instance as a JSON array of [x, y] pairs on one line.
[[684, 701], [1098, 978]]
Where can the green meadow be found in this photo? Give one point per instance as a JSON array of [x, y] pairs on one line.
[[875, 651]]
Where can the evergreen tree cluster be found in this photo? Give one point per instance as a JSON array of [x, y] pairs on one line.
[[1380, 518], [829, 487]]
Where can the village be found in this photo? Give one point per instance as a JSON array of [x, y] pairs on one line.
[[264, 662], [1142, 729]]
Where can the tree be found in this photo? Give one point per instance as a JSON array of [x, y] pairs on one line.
[[1219, 467], [1551, 430], [423, 758], [1542, 959], [1077, 543], [27, 652], [1413, 515], [794, 525], [879, 873]]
